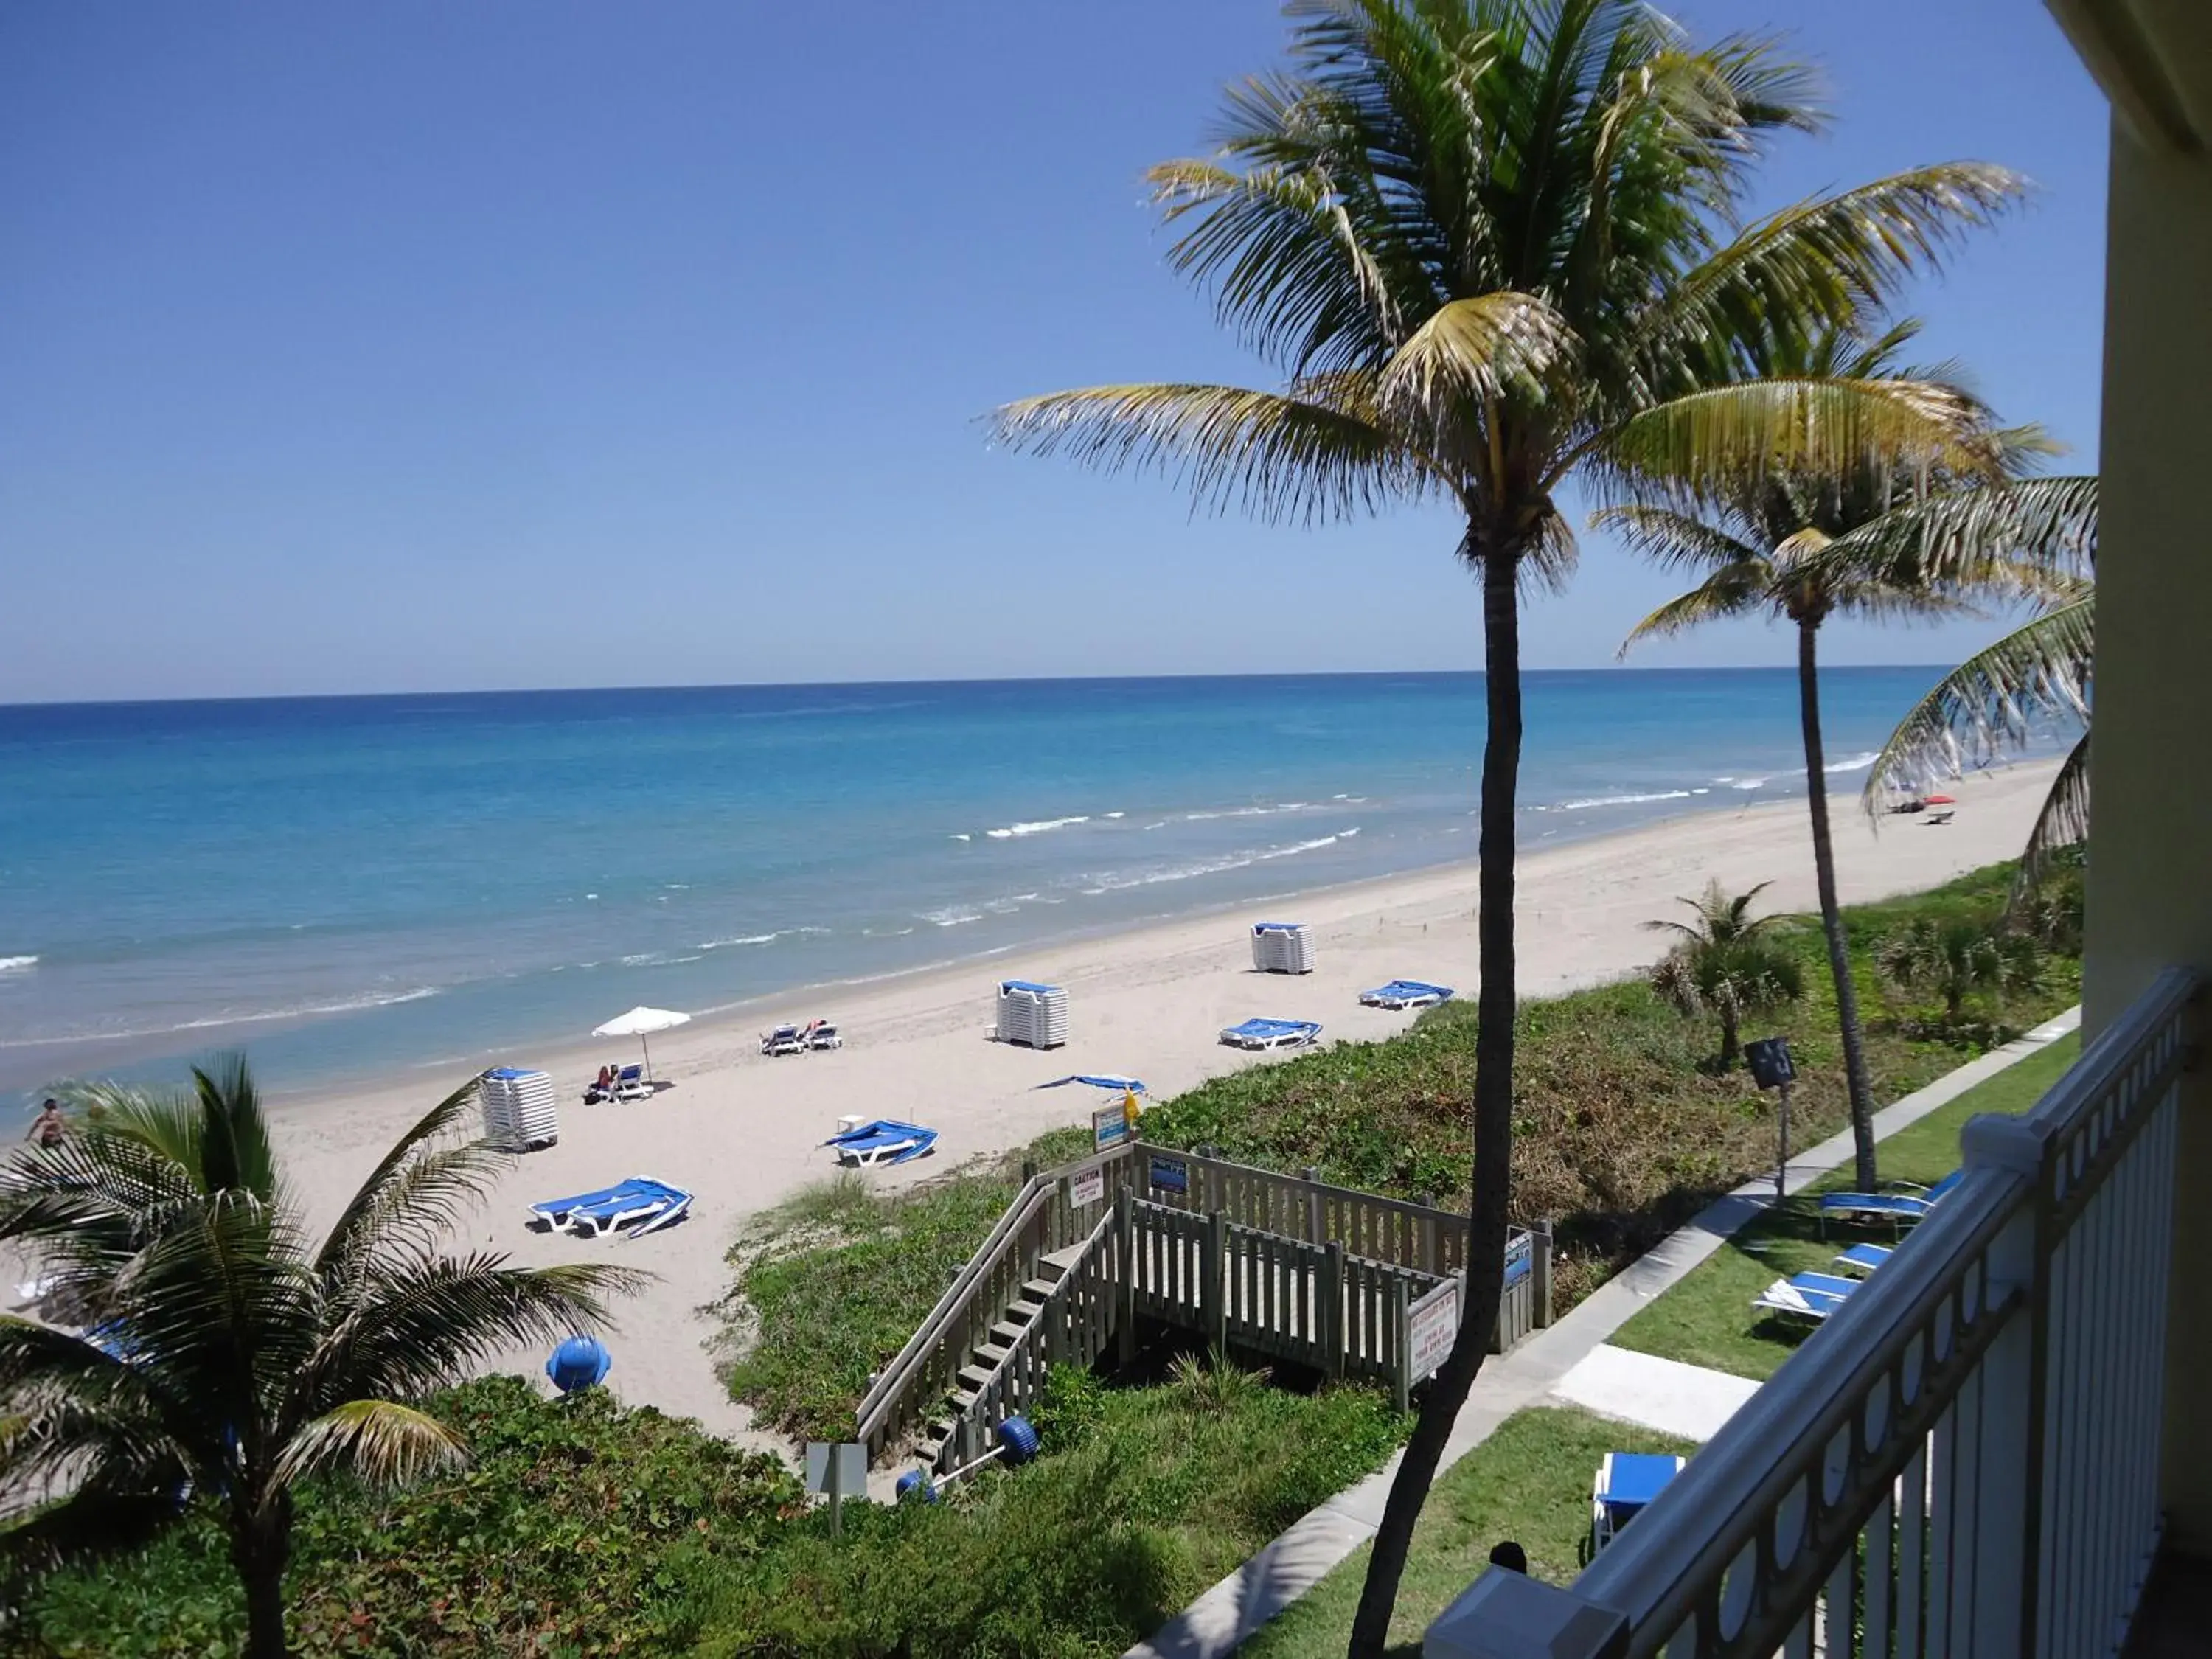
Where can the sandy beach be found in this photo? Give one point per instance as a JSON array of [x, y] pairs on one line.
[[743, 1131]]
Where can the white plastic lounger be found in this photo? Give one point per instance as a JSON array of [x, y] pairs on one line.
[[784, 1040], [1401, 993], [823, 1034], [1807, 1296], [1271, 1034], [641, 1205], [630, 1084]]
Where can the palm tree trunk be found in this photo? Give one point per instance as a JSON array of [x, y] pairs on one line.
[[1731, 1038], [259, 1545], [1831, 913], [1493, 1112]]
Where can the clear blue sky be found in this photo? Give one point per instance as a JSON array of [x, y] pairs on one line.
[[422, 345]]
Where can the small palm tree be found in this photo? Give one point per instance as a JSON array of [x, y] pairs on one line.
[[1493, 246], [227, 1356], [1765, 545], [1955, 956], [1726, 964]]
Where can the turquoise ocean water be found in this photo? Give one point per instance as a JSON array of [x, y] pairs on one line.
[[353, 886]]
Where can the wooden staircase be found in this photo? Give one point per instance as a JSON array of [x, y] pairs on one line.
[[935, 1445]]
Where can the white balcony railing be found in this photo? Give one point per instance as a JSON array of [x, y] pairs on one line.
[[1964, 1461]]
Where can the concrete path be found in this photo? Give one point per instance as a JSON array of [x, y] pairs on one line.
[[1665, 1395], [1297, 1560]]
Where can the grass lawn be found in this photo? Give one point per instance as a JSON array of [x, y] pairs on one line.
[[1707, 1319], [1529, 1481]]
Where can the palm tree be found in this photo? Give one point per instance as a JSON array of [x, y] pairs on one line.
[[1764, 544], [1493, 244], [226, 1356], [1954, 956], [1724, 963]]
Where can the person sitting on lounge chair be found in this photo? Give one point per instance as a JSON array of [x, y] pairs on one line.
[[602, 1088]]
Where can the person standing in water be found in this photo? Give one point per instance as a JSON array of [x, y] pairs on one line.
[[50, 1126]]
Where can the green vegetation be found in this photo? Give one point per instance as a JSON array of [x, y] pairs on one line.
[[1620, 1133], [1707, 1319], [1145, 1497], [578, 1527], [227, 1353], [1530, 1481]]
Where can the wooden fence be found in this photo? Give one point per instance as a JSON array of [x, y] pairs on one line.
[[1319, 1274]]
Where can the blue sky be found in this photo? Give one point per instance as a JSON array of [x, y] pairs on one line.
[[412, 346]]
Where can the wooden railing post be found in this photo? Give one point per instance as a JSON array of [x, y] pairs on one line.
[[1401, 1366], [1213, 1287], [1330, 1294], [1540, 1269], [1125, 1290], [1311, 1176]]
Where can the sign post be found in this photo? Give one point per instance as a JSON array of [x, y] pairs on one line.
[[1109, 1127], [835, 1471], [1772, 1068]]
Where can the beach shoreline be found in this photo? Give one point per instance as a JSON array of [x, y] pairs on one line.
[[744, 1132]]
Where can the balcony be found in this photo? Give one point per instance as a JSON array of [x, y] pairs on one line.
[[1965, 1460]]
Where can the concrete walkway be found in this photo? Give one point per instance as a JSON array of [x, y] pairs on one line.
[[1285, 1569], [1665, 1395]]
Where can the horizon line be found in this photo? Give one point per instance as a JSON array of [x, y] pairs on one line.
[[864, 684]]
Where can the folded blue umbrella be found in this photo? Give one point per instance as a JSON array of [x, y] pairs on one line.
[[1098, 1080]]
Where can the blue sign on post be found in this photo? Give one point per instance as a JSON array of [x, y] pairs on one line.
[[1519, 1258], [1170, 1175]]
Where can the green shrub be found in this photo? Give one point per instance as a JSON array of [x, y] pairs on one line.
[[576, 1528], [1143, 1497]]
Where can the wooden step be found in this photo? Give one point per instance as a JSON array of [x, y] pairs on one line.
[[973, 1377], [1006, 1332], [992, 1352], [1038, 1291], [1062, 1261]]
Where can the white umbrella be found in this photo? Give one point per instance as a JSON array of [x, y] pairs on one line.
[[638, 1023]]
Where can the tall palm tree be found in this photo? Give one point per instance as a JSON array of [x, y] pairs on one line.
[[1493, 244], [1725, 964], [226, 1355], [1763, 545]]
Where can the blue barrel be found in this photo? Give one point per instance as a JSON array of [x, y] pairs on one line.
[[581, 1361], [1017, 1442], [916, 1485]]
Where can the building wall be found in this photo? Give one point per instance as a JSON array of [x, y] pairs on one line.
[[2150, 878]]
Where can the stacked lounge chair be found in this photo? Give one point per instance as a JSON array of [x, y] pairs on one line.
[[1401, 993], [1626, 1483], [1282, 947], [518, 1113], [784, 1040], [641, 1205], [880, 1141], [1271, 1034], [1899, 1208], [1033, 1015]]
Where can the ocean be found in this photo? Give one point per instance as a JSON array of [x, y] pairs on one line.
[[351, 887]]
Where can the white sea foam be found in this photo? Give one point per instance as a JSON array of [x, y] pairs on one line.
[[1036, 827], [1748, 783], [952, 915], [755, 939], [1162, 824], [1249, 811], [1113, 881], [354, 1005], [1624, 801], [1116, 815], [960, 835], [16, 964], [1856, 763]]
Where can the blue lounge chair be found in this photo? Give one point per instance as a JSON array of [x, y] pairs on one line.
[[1625, 1483], [784, 1040], [1805, 1296], [1900, 1209], [1271, 1034], [1407, 993], [1108, 1080], [885, 1140], [641, 1204], [630, 1084], [1863, 1258]]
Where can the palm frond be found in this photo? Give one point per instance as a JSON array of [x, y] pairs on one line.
[[1475, 350], [1671, 538], [1730, 591], [378, 1440], [1712, 442], [2061, 821], [408, 1184], [1985, 707], [2033, 536], [1279, 458]]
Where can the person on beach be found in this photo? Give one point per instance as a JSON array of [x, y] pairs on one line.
[[49, 1127], [604, 1088]]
